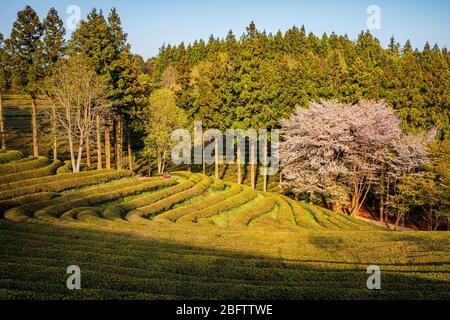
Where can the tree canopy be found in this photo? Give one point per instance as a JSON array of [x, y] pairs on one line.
[[261, 78]]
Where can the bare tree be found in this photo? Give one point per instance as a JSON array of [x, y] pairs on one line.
[[81, 93]]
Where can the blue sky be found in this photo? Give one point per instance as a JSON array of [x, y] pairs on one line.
[[151, 23]]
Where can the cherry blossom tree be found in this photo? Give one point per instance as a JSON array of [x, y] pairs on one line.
[[337, 150]]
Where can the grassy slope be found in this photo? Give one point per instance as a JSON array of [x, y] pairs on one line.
[[120, 259], [202, 262], [289, 251]]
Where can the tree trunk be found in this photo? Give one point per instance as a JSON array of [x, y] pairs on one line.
[[203, 154], [99, 143], [88, 150], [335, 207], [149, 167], [397, 221], [382, 192], [107, 146], [55, 134], [130, 151], [2, 124], [382, 208], [80, 154], [216, 156], [71, 150], [118, 143], [265, 166], [252, 166], [159, 165], [387, 197], [114, 137], [436, 225], [34, 125], [430, 219], [239, 163]]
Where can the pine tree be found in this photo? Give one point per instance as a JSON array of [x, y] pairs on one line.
[[53, 49], [27, 55], [105, 43], [407, 48], [53, 38], [393, 47]]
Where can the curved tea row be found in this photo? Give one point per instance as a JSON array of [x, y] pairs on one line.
[[31, 191]]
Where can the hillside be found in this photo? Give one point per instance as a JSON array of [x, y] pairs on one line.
[[194, 237]]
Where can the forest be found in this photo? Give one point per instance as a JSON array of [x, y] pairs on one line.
[[258, 80], [320, 169]]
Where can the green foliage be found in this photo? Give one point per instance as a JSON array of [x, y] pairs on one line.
[[5, 205], [49, 179], [158, 120], [51, 230], [53, 39], [33, 163], [74, 181], [65, 168], [429, 190], [218, 184], [259, 79], [103, 41], [244, 217], [3, 64], [165, 204], [30, 174], [119, 210], [26, 50], [231, 202], [95, 197], [146, 201], [250, 266], [10, 155], [176, 213]]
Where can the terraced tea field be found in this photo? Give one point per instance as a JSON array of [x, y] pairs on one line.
[[194, 237]]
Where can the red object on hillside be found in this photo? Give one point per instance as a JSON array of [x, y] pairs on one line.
[[166, 175]]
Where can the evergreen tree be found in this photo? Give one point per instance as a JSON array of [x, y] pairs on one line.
[[53, 49], [105, 43], [53, 39], [27, 56]]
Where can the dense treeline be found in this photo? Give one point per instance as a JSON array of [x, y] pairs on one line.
[[94, 84], [260, 78]]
